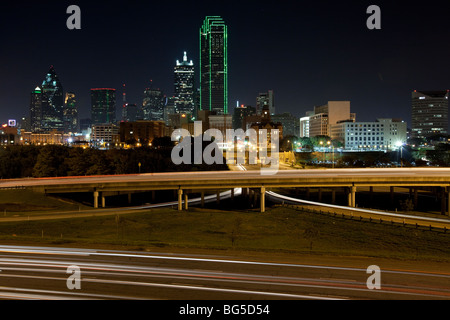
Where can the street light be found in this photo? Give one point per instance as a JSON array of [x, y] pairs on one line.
[[332, 150], [399, 144], [323, 153]]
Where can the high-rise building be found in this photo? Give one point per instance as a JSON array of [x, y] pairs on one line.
[[429, 113], [214, 65], [37, 103], [304, 124], [52, 110], [70, 113], [130, 112], [169, 109], [103, 105], [239, 115], [327, 115], [184, 86], [291, 125], [265, 99], [153, 104]]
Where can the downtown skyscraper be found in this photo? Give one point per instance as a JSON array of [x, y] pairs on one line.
[[153, 104], [429, 113], [70, 114], [37, 103], [214, 65], [265, 99], [184, 86], [47, 104], [103, 105]]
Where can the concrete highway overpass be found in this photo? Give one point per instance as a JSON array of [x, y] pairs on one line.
[[215, 181]]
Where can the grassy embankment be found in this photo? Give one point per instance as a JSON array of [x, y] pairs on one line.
[[278, 230]]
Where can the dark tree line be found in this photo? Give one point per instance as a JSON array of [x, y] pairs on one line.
[[58, 161]]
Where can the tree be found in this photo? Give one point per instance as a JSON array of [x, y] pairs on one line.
[[320, 141], [288, 142], [306, 143], [98, 163], [77, 162], [50, 162]]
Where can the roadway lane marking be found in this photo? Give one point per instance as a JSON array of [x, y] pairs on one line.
[[54, 251], [202, 288]]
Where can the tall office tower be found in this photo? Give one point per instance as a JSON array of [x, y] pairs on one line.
[[103, 105], [153, 104], [239, 115], [265, 99], [124, 104], [327, 115], [214, 65], [52, 111], [184, 83], [70, 113], [37, 103], [169, 109], [130, 112], [429, 113]]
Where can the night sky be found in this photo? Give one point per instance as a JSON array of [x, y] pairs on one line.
[[308, 52]]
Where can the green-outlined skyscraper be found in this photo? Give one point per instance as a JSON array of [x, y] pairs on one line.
[[214, 65], [103, 105]]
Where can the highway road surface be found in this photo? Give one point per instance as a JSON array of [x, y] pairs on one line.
[[364, 176], [29, 272]]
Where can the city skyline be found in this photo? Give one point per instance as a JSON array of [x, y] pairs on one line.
[[269, 50]]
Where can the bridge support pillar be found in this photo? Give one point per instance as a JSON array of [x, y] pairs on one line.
[[353, 196], [96, 194], [263, 199], [186, 202], [103, 201], [180, 199]]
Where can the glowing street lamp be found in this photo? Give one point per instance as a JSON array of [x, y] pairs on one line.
[[399, 144]]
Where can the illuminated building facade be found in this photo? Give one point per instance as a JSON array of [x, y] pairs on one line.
[[53, 107], [429, 113], [184, 83], [153, 104], [37, 103], [214, 65], [382, 135], [70, 114]]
